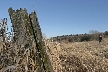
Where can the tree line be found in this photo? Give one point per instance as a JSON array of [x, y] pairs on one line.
[[92, 35]]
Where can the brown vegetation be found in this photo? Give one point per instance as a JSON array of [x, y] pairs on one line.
[[79, 56], [65, 57]]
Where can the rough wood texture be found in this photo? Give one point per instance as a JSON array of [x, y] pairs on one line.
[[26, 52]]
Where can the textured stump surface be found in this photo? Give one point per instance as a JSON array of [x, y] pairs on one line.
[[28, 37]]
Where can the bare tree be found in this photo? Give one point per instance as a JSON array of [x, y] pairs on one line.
[[93, 32]]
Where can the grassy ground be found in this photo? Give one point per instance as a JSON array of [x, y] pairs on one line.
[[65, 57], [79, 56]]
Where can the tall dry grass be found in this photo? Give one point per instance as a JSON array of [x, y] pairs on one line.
[[79, 56], [65, 57]]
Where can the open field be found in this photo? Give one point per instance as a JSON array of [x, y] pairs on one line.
[[65, 57], [79, 56]]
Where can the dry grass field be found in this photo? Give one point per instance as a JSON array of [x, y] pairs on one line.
[[65, 57], [79, 56]]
